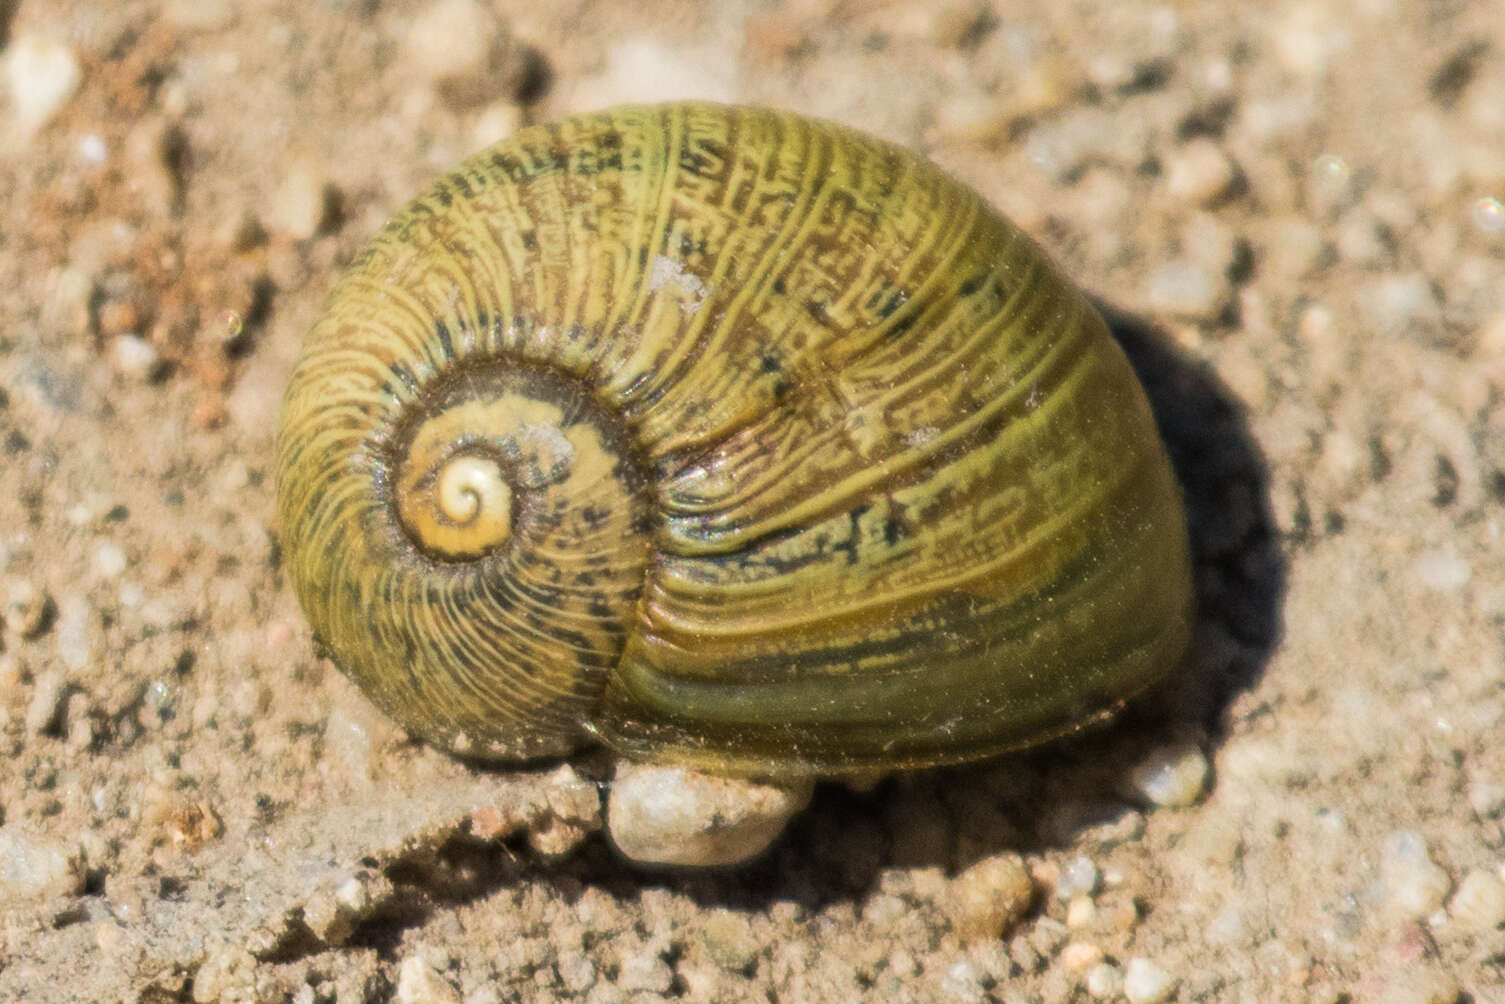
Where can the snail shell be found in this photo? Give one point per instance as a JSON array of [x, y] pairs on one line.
[[731, 438]]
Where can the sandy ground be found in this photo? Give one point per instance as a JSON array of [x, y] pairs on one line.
[[1290, 207]]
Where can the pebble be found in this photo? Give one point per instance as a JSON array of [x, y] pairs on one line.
[[1200, 172], [574, 814], [303, 203], [1186, 289], [675, 816], [109, 559], [1080, 956], [135, 358], [1105, 981], [49, 697], [988, 899], [1171, 777], [419, 983], [1079, 877], [1397, 304], [42, 74], [1147, 983], [645, 971], [1081, 913], [729, 941], [1293, 247], [32, 866], [1442, 571], [464, 51], [1479, 902], [1486, 797], [27, 607], [74, 634], [1415, 886], [962, 982]]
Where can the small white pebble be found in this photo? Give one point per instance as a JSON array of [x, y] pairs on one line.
[[44, 711], [1186, 289], [1079, 877], [1200, 172], [302, 203], [1396, 304], [1105, 980], [1080, 956], [962, 982], [1171, 776], [1415, 886], [419, 983], [645, 971], [1147, 983], [135, 357], [109, 559], [42, 75], [1479, 902], [1292, 247], [92, 148], [672, 815], [31, 865], [1080, 912], [1486, 797], [75, 637], [1442, 571]]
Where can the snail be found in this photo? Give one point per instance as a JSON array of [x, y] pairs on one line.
[[728, 438]]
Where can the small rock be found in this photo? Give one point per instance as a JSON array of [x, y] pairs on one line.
[[135, 358], [645, 971], [1361, 240], [31, 865], [1081, 913], [1415, 885], [1080, 956], [465, 52], [989, 898], [1200, 172], [1187, 289], [1293, 247], [27, 608], [1487, 798], [1479, 902], [729, 940], [676, 816], [1396, 304], [305, 203], [1442, 571], [419, 983], [962, 982], [333, 911], [75, 634], [49, 698], [1079, 877], [1171, 776], [1105, 981], [574, 814], [109, 559], [42, 75], [1147, 983]]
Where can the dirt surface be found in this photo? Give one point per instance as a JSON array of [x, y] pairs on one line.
[[1289, 208]]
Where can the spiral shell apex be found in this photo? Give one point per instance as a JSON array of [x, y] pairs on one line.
[[731, 438]]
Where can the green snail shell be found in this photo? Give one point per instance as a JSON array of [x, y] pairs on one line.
[[730, 438]]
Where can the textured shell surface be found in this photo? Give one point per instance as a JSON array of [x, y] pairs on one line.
[[726, 437]]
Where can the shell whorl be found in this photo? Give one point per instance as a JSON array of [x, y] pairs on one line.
[[728, 437]]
